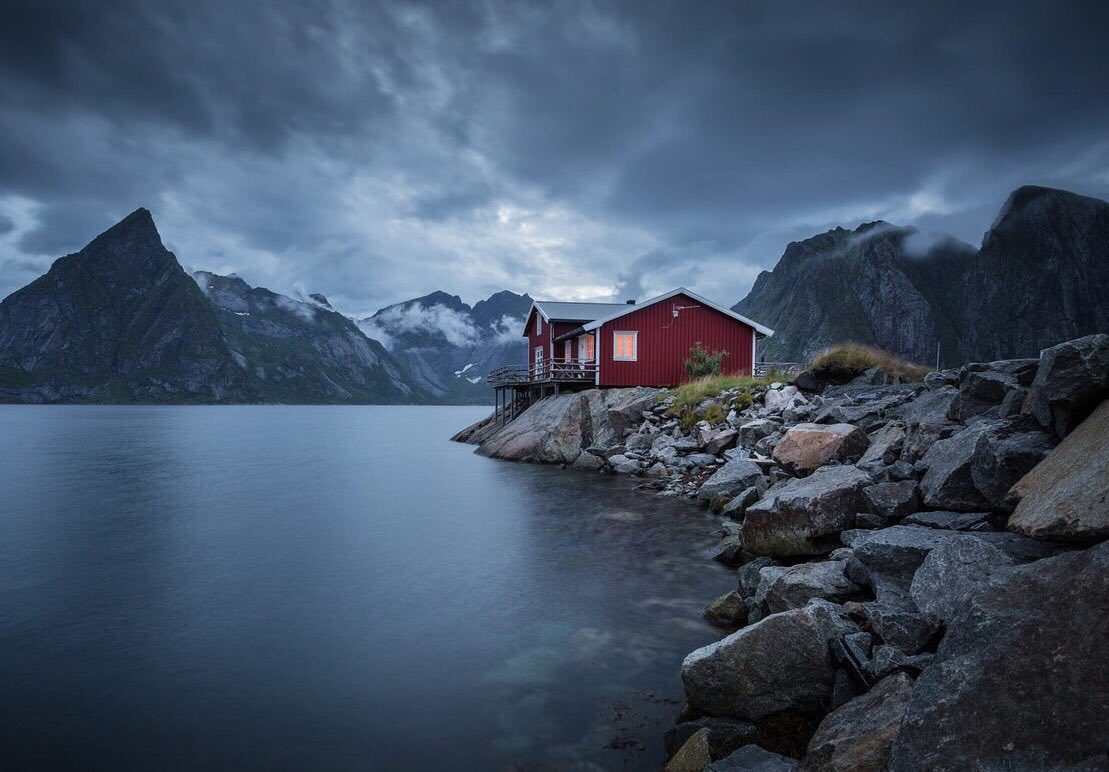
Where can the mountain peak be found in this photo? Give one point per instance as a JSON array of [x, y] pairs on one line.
[[135, 231], [1036, 201]]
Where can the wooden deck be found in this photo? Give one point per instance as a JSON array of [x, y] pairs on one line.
[[545, 373]]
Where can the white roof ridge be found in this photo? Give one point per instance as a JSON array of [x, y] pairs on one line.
[[766, 331]]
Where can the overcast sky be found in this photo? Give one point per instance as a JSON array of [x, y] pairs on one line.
[[379, 151]]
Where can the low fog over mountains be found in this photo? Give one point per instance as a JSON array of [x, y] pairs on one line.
[[121, 321]]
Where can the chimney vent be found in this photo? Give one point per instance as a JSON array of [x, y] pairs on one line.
[[630, 302]]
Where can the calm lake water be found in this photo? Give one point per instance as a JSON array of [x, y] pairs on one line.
[[331, 588]]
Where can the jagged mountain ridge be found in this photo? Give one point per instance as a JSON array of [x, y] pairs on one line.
[[121, 321], [1041, 276], [448, 346], [303, 352]]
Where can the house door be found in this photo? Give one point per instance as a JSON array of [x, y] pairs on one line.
[[566, 357]]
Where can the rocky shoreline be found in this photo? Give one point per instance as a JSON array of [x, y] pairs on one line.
[[922, 573]]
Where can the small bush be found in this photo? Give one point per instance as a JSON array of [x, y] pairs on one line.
[[743, 401], [701, 363], [688, 419], [715, 413], [841, 363]]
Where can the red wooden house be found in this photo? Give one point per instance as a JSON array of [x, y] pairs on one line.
[[582, 345]]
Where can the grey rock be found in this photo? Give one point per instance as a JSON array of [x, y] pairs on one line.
[[693, 756], [730, 480], [859, 736], [796, 586], [951, 572], [727, 611], [752, 758], [780, 663], [749, 575], [738, 506], [1028, 652], [729, 551], [783, 398], [623, 465], [720, 441], [753, 431], [1066, 496], [974, 469], [890, 659], [870, 521], [803, 516], [885, 446], [1073, 379], [701, 459], [893, 500], [897, 621]]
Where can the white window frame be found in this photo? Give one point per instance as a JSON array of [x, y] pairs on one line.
[[538, 323], [635, 345]]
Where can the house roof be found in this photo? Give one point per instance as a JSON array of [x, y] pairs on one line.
[[562, 311], [623, 309]]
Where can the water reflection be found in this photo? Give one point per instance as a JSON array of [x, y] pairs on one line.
[[331, 587]]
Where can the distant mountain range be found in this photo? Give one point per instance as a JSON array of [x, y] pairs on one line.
[[1040, 277], [447, 346], [121, 321]]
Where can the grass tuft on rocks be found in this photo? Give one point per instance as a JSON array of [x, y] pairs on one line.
[[844, 361]]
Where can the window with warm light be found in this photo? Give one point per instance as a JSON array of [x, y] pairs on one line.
[[624, 346]]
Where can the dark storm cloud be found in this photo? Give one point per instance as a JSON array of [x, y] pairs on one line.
[[374, 151]]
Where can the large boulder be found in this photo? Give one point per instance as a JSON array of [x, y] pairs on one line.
[[730, 480], [1066, 496], [975, 468], [807, 447], [753, 431], [893, 555], [1021, 679], [802, 516], [926, 421], [557, 429], [858, 736], [1073, 378], [796, 586], [952, 572], [780, 664]]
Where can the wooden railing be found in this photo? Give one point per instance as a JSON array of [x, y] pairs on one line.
[[763, 369], [547, 371]]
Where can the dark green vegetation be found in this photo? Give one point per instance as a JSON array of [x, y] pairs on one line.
[[1040, 277], [700, 363]]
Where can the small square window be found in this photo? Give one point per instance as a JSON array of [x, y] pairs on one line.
[[625, 346]]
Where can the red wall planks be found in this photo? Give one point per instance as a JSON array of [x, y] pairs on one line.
[[664, 343]]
